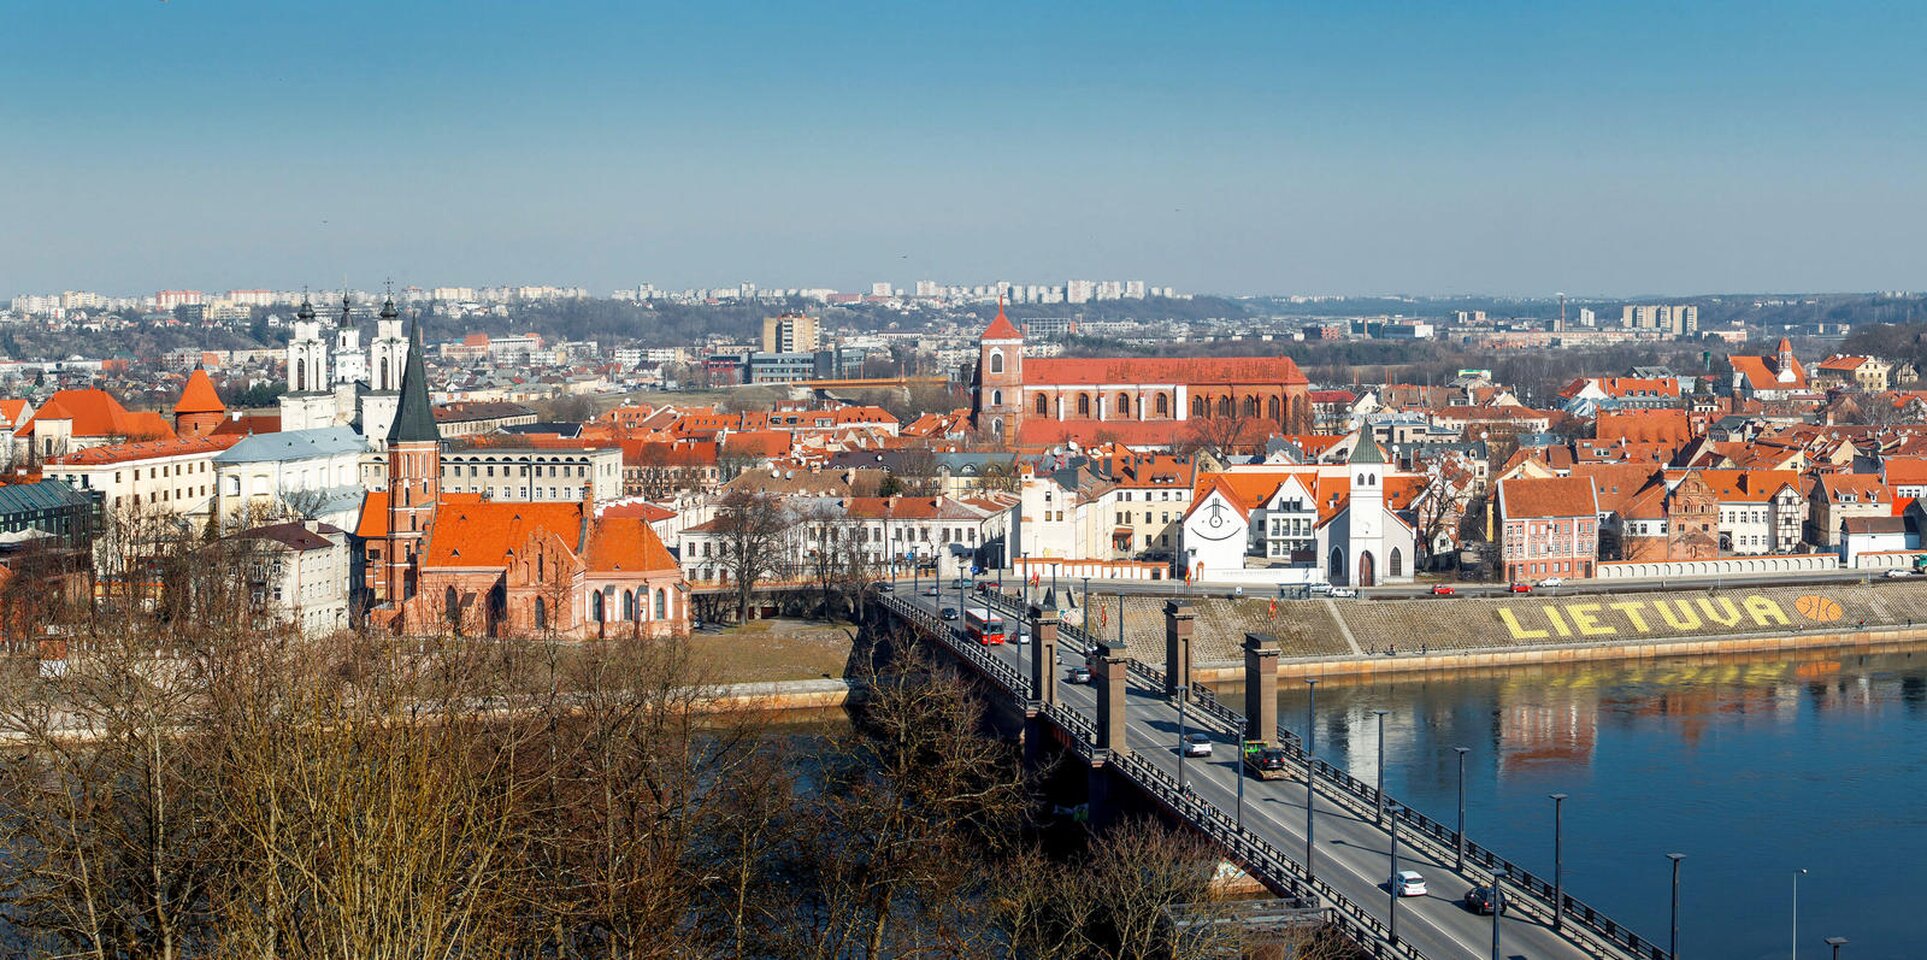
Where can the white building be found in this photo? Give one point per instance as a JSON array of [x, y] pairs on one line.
[[308, 473], [299, 574], [154, 477]]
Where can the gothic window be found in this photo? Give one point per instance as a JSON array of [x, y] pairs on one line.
[[595, 606], [662, 604], [1197, 406], [452, 607], [1397, 565], [1251, 406], [1271, 408], [996, 361], [1224, 406], [541, 614], [1123, 405], [996, 398], [1163, 405], [628, 604], [1043, 406], [1083, 404]]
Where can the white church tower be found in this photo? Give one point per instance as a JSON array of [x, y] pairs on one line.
[[1365, 516], [310, 400], [351, 365], [386, 358]]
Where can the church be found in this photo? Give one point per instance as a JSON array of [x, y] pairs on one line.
[[472, 566], [1136, 401], [336, 384]]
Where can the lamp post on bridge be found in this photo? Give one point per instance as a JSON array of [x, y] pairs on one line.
[[1311, 774], [1672, 950], [1380, 714], [1459, 841], [1498, 909], [1559, 861], [1182, 748], [1797, 874], [1391, 882], [1836, 943], [1085, 620]]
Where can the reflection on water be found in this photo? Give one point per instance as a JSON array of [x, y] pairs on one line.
[[1753, 766]]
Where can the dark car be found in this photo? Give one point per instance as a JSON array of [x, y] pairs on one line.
[[1079, 675], [1479, 900], [948, 613], [989, 586], [885, 586]]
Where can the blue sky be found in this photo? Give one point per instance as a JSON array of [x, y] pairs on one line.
[[1517, 148]]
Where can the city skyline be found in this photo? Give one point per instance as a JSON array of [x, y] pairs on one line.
[[1238, 150]]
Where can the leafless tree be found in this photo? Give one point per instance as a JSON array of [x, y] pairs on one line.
[[754, 530]]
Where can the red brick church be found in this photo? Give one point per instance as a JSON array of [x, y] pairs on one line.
[[464, 564], [1038, 401]]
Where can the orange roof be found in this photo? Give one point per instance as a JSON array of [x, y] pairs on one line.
[[373, 522], [472, 532], [145, 450], [648, 512], [95, 413], [1548, 497], [627, 544], [1762, 373], [11, 410], [1645, 426], [198, 395], [1001, 328], [1150, 371], [757, 443], [1907, 470]]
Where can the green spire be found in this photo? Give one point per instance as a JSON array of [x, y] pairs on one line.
[[414, 417]]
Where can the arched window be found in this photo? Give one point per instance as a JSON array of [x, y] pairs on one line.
[[452, 607], [1043, 406], [595, 607], [1224, 406], [1396, 566], [662, 603], [1163, 405], [384, 375], [1083, 404], [996, 361], [1197, 406], [1271, 408], [541, 568], [1251, 406], [1123, 405], [996, 398], [628, 604], [541, 614], [300, 376]]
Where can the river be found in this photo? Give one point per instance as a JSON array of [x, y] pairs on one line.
[[1752, 767]]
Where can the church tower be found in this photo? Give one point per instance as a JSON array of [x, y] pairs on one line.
[[414, 478], [351, 365], [998, 400], [387, 357], [1365, 515], [310, 400]]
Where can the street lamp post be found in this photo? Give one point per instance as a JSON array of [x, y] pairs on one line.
[[1056, 599], [1391, 883], [1558, 860], [1181, 748], [1238, 770], [1311, 775], [1088, 635], [1459, 841], [1672, 951], [1797, 874], [1836, 943], [1498, 908], [1380, 714]]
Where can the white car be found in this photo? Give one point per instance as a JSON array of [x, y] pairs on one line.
[[1553, 582], [1197, 745], [1897, 574], [1343, 593], [1408, 883], [1020, 636]]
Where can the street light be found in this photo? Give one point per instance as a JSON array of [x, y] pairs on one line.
[[1088, 635], [1498, 908], [1673, 947], [1311, 775], [1380, 714], [1836, 943], [1181, 748], [1559, 860], [1460, 842], [1797, 874], [1391, 883]]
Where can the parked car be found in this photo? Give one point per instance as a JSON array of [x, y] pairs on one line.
[[959, 583], [1519, 587], [1342, 593], [948, 613], [1197, 744], [1444, 590], [1553, 582], [1321, 589], [1079, 675], [885, 586], [1408, 883], [931, 591], [1897, 574], [1480, 900]]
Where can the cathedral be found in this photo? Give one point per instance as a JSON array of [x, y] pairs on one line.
[[1138, 401], [338, 384], [466, 564]]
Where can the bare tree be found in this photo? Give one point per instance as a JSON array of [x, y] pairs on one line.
[[754, 530]]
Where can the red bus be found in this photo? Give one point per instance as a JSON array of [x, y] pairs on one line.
[[983, 626]]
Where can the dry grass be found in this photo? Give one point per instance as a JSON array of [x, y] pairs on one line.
[[764, 650]]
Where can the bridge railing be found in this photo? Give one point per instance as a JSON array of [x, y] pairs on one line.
[[1587, 916]]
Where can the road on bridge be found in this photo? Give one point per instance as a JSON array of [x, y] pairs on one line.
[[1352, 852]]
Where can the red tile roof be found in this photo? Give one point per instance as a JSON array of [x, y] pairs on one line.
[[144, 450], [627, 544], [95, 413], [198, 395], [472, 532], [1549, 497], [1001, 328], [1150, 371]]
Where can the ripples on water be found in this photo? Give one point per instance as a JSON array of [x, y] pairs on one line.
[[1752, 766]]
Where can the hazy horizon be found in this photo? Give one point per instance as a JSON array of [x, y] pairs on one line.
[[1238, 149]]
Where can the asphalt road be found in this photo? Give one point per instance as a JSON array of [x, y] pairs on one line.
[[1352, 854]]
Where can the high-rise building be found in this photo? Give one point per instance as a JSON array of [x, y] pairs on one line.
[[789, 333], [882, 289]]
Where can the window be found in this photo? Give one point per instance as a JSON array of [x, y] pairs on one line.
[[1083, 405], [996, 398], [541, 614], [1043, 406], [1197, 406], [1123, 405], [662, 604], [1163, 405], [996, 361]]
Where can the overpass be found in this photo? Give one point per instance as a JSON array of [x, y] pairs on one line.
[[1126, 725]]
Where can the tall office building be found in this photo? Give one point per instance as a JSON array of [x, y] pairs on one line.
[[789, 333]]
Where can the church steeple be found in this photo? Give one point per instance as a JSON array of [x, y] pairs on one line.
[[414, 416]]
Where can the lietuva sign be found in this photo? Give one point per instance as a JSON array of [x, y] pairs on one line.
[[1662, 617]]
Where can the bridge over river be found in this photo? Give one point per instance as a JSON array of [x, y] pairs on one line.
[[1127, 722]]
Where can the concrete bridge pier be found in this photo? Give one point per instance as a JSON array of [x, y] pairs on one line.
[[1043, 686], [1179, 622], [1261, 687], [1110, 668]]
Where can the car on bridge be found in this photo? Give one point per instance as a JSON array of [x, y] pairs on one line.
[[1897, 574], [1342, 593], [989, 586], [931, 591], [885, 586], [1078, 675], [1444, 590], [1408, 883], [948, 613], [1264, 761], [1481, 900], [1197, 744]]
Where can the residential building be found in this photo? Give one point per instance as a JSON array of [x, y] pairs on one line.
[[299, 573], [789, 333], [1548, 528]]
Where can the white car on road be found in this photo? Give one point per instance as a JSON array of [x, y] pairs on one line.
[[1408, 883], [1553, 582], [1197, 745]]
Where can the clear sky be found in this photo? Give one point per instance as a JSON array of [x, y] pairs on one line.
[[1335, 147]]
